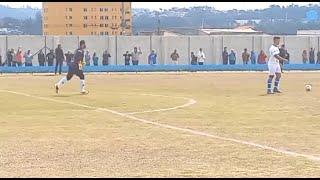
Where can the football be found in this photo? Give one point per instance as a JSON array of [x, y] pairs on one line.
[[308, 87]]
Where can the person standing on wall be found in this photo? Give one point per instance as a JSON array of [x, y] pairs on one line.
[[19, 57], [175, 56], [245, 56], [41, 58], [105, 58], [59, 58], [201, 57], [136, 56], [28, 58], [311, 56], [50, 58], [127, 57], [225, 56]]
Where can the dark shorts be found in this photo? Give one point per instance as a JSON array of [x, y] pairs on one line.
[[74, 70]]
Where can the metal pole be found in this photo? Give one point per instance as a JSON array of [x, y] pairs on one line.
[[116, 50], [189, 50]]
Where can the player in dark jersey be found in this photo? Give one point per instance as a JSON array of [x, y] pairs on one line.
[[75, 68]]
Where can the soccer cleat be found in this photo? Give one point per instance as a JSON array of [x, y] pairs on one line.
[[276, 90], [84, 92], [269, 92], [57, 89]]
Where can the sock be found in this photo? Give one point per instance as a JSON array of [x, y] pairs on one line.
[[276, 83], [62, 82], [82, 84], [269, 84]]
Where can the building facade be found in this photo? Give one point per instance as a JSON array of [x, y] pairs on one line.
[[87, 18]]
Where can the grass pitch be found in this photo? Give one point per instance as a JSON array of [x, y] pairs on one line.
[[43, 138]]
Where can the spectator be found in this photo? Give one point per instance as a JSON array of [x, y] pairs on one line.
[[174, 56], [225, 56], [41, 58], [19, 57], [69, 57], [262, 57], [304, 57], [245, 56], [127, 57], [50, 58], [253, 57], [318, 57], [232, 57], [193, 59], [152, 58], [10, 56], [28, 58], [105, 58], [201, 57], [95, 59], [288, 58], [311, 56], [136, 56], [87, 58], [59, 58]]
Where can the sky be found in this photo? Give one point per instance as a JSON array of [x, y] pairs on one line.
[[168, 5]]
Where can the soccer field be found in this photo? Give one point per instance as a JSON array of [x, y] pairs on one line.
[[160, 125]]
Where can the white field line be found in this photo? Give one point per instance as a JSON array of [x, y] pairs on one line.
[[189, 103], [282, 151]]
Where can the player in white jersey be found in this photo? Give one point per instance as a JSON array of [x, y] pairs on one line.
[[274, 66]]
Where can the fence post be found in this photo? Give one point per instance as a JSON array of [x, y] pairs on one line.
[[116, 50], [7, 48], [213, 60], [189, 50]]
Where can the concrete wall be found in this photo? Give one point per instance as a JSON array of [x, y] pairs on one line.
[[164, 46], [32, 43], [3, 47]]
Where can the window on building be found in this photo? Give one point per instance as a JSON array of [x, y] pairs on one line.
[[85, 9], [70, 17], [101, 9], [101, 25], [111, 9], [115, 17], [105, 9], [66, 17], [101, 17], [95, 17], [67, 25], [106, 17], [95, 33], [91, 33], [91, 9], [70, 25], [91, 17], [70, 9], [85, 17], [70, 33], [106, 33], [85, 25], [120, 33], [101, 33], [66, 9], [105, 25]]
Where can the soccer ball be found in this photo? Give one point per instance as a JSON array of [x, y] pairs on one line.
[[308, 87]]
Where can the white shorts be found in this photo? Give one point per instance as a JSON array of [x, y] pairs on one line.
[[274, 68]]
